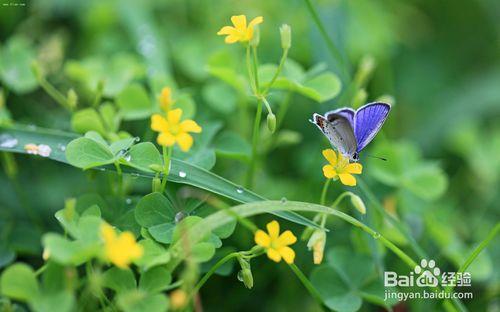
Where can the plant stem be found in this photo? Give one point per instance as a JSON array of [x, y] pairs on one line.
[[307, 284], [255, 142], [324, 191], [337, 56], [212, 270], [277, 73], [121, 190], [475, 253], [249, 71], [167, 154], [255, 70]]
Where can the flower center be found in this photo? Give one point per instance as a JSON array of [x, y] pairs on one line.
[[174, 129]]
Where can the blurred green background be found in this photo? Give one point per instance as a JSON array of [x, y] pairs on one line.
[[439, 61]]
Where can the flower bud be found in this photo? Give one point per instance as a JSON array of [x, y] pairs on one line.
[[254, 42], [365, 69], [286, 36], [178, 299], [156, 185], [317, 244], [387, 98], [72, 98], [69, 209], [271, 122], [358, 203], [245, 274]]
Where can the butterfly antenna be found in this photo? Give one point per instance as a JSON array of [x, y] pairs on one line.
[[377, 157]]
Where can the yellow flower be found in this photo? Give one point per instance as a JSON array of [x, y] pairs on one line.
[[240, 32], [340, 167], [172, 130], [120, 249], [275, 244], [317, 244], [166, 101], [178, 299]]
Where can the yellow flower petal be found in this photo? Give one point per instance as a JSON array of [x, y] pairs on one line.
[[226, 30], [331, 156], [262, 239], [329, 172], [190, 126], [231, 39], [166, 139], [107, 232], [288, 254], [166, 99], [174, 116], [273, 228], [274, 255], [159, 123], [255, 21], [354, 168], [185, 141], [286, 238], [239, 22], [347, 179]]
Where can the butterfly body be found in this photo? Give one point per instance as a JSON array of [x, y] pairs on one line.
[[350, 131]]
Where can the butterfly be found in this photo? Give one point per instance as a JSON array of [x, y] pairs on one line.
[[349, 131]]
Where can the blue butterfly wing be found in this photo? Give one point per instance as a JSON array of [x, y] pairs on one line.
[[367, 122]]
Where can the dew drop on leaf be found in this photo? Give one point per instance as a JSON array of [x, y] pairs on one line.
[[179, 216], [239, 190], [8, 141], [182, 174]]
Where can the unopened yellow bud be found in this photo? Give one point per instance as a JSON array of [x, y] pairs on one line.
[[178, 299], [317, 244], [72, 98]]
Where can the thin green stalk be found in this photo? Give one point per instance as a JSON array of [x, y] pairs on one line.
[[283, 110], [337, 56], [212, 270], [324, 191], [307, 284], [249, 71], [277, 73], [255, 142], [256, 70], [475, 253], [167, 154], [50, 89]]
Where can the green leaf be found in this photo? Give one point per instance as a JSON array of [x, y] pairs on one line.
[[143, 155], [322, 88], [335, 292], [86, 153], [155, 280], [92, 211], [119, 280], [427, 181], [220, 97], [87, 119], [16, 58], [191, 175], [185, 102], [232, 145], [121, 145], [19, 282], [163, 233], [110, 117], [134, 102], [46, 302], [64, 251], [202, 252], [6, 255], [154, 254], [139, 301], [154, 209]]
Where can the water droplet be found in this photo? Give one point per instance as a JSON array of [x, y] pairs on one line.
[[128, 201], [8, 141], [61, 147], [239, 190], [376, 235], [179, 216], [137, 139], [44, 150], [182, 174], [128, 157], [283, 200]]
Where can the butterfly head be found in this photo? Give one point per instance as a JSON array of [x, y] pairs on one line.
[[355, 157]]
